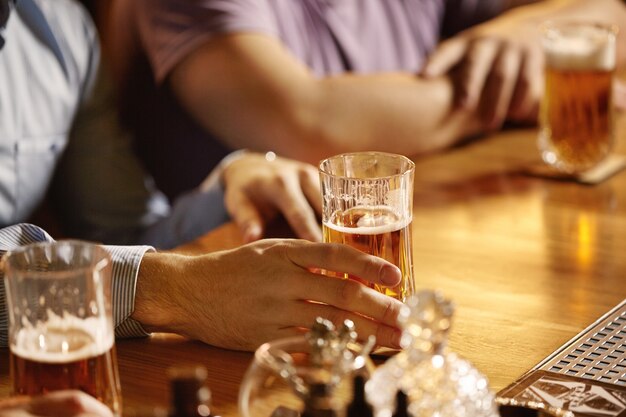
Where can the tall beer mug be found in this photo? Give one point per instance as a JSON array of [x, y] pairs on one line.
[[60, 323], [576, 120], [367, 203]]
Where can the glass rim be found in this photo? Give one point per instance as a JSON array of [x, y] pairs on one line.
[[561, 23], [6, 264], [411, 165]]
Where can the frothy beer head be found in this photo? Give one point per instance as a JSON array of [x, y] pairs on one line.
[[378, 231], [63, 339], [367, 221], [579, 47]]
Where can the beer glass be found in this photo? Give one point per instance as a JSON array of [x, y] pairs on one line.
[[576, 120], [367, 203], [60, 323]]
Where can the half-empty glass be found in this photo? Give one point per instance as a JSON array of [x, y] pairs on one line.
[[60, 323], [367, 203], [576, 121]]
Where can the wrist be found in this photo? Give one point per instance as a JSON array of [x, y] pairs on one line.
[[217, 175], [157, 298]]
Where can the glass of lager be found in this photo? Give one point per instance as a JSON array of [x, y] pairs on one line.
[[576, 120], [60, 323], [367, 203]]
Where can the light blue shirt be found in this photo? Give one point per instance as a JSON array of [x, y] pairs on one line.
[[59, 131]]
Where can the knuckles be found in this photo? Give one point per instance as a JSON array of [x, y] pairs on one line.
[[372, 270], [334, 252], [280, 181], [349, 292], [391, 313], [337, 317], [384, 335]]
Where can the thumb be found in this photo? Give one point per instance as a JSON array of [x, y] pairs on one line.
[[619, 94], [246, 216], [444, 58]]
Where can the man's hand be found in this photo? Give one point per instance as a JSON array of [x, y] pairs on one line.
[[619, 94], [258, 189], [265, 290], [55, 404], [498, 68]]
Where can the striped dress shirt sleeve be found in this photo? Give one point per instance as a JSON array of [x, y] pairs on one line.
[[126, 261]]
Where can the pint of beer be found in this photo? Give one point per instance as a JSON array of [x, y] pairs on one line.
[[60, 323], [367, 202], [576, 120]]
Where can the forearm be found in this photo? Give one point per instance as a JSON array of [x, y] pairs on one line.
[[173, 291], [399, 113], [510, 4], [270, 100], [154, 305]]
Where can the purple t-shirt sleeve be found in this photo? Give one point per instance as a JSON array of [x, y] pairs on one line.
[[171, 29], [462, 14]]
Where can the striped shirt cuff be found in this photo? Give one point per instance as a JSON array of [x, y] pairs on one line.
[[126, 263], [11, 238]]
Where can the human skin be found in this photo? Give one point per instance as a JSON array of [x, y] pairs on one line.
[[54, 404], [241, 298], [258, 188], [499, 64], [252, 93]]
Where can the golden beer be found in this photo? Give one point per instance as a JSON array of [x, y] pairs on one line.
[[576, 113], [61, 325], [377, 231], [66, 358], [367, 203]]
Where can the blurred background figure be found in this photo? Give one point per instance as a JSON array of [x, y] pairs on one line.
[[99, 10], [57, 129], [312, 78], [62, 140]]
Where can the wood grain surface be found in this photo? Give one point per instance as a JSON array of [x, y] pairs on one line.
[[528, 261]]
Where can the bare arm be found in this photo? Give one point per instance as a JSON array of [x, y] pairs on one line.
[[243, 297], [510, 4], [251, 92], [498, 64]]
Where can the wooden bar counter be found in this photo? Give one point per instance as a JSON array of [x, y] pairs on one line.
[[528, 261]]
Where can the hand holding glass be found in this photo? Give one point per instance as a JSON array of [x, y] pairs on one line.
[[367, 203]]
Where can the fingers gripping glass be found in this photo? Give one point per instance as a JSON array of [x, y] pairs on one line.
[[367, 203]]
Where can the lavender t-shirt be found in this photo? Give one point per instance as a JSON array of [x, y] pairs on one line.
[[329, 36]]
